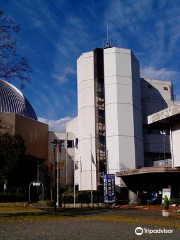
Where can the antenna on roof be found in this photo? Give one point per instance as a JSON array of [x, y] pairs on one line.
[[107, 30], [108, 40]]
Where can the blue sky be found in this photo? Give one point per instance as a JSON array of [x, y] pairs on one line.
[[55, 33]]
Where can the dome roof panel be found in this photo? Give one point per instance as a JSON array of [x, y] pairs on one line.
[[12, 100]]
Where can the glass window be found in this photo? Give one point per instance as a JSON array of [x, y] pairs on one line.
[[70, 144]]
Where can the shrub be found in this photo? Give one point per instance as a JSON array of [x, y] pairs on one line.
[[67, 199], [41, 197], [85, 197], [98, 197], [68, 195], [174, 201], [12, 197], [81, 196], [166, 202], [50, 203]]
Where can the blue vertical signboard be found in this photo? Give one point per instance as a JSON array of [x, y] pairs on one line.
[[109, 188]]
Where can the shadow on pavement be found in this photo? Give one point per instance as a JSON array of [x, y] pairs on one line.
[[24, 214], [81, 212]]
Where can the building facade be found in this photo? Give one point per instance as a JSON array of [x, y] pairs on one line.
[[19, 117], [111, 133], [63, 156], [111, 127], [156, 95], [170, 116]]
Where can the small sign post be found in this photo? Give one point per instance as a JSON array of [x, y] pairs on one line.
[[36, 183], [109, 188]]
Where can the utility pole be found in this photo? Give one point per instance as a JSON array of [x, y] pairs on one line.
[[107, 162], [74, 171], [56, 178], [55, 207], [66, 151], [164, 133], [91, 174], [57, 160]]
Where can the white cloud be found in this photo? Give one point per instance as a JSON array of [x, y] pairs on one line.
[[62, 78], [149, 33], [69, 69], [62, 50], [160, 74], [56, 125], [38, 24]]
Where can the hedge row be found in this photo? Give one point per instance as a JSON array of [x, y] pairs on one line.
[[82, 197], [174, 201], [12, 197]]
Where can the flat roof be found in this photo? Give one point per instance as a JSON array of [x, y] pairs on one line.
[[156, 81], [145, 170], [165, 114]]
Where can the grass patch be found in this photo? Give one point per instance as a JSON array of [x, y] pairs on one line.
[[17, 209], [29, 214], [26, 214], [175, 215]]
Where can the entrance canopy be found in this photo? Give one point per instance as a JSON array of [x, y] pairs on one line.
[[165, 115], [172, 117], [149, 179], [148, 170]]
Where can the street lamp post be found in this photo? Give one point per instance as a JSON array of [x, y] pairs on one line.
[[164, 133]]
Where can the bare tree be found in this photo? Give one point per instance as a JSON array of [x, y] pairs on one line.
[[4, 125], [11, 66]]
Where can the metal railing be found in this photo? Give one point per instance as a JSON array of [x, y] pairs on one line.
[[160, 163]]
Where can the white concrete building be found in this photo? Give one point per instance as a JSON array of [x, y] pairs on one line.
[[63, 156], [171, 116], [111, 130], [156, 95], [111, 126]]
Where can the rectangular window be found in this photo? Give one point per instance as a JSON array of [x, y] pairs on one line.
[[165, 88], [157, 131], [101, 113], [70, 143]]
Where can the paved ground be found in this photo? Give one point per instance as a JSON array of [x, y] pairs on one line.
[[92, 224]]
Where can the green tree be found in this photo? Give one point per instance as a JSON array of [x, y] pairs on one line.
[[17, 168]]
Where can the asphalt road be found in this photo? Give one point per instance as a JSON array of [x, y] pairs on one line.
[[86, 229]]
